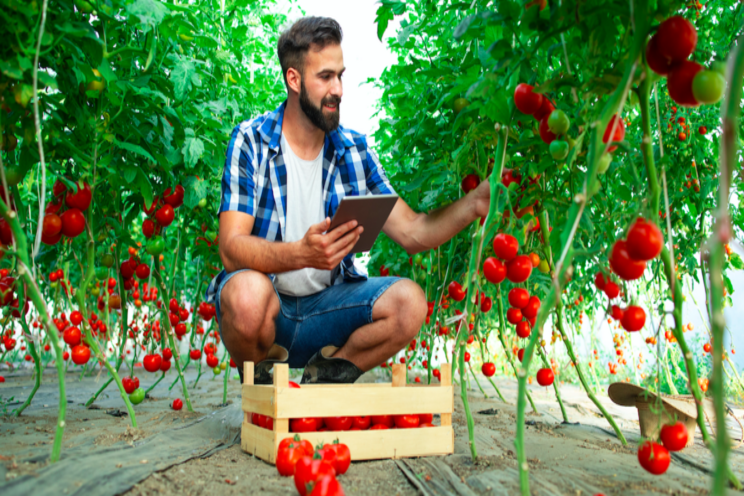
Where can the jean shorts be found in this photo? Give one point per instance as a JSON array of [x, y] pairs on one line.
[[306, 324]]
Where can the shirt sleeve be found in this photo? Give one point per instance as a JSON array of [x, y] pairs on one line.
[[377, 181], [238, 181]]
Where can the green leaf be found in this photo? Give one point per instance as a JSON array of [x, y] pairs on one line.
[[136, 149], [183, 76], [193, 149], [144, 185], [736, 261], [149, 12], [195, 190], [128, 172]]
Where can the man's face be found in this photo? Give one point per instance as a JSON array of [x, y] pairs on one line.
[[321, 88]]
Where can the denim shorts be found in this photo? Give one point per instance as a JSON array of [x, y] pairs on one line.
[[306, 324]]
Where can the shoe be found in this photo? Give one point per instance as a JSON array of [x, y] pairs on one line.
[[322, 368], [262, 370]]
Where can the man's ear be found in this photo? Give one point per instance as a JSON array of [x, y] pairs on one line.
[[294, 79]]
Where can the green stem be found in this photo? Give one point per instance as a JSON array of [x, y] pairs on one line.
[[502, 338], [555, 384], [37, 363], [155, 383], [476, 381]]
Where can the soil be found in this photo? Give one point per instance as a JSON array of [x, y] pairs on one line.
[[582, 457]]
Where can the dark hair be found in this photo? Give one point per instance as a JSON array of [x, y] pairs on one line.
[[306, 33]]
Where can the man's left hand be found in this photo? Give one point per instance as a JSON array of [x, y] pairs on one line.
[[481, 198]]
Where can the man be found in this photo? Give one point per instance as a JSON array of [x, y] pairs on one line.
[[290, 291]]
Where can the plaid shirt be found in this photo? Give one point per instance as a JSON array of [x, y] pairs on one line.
[[255, 177]]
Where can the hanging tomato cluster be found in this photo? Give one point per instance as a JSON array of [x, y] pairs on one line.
[[71, 223], [163, 209]]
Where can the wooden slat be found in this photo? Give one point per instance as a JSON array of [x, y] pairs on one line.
[[248, 373], [334, 402], [281, 375], [259, 442], [445, 377], [259, 399]]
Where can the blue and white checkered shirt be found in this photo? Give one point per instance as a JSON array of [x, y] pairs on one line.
[[255, 177]]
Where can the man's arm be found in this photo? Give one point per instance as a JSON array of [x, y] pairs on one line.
[[239, 249], [419, 232]]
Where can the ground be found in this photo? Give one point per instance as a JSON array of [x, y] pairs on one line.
[[176, 453]]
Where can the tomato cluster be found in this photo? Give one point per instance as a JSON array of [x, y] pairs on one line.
[[71, 222]]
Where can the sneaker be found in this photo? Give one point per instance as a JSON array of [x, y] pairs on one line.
[[262, 371], [322, 368]]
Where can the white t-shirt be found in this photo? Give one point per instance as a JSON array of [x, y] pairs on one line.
[[304, 208]]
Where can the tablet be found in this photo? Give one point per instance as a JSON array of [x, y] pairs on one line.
[[370, 212]]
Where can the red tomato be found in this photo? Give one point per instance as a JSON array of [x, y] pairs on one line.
[[130, 384], [175, 199], [611, 290], [624, 266], [674, 436], [72, 336], [488, 369], [455, 291], [165, 215], [76, 317], [656, 61], [80, 200], [195, 354], [677, 38], [518, 297], [377, 427], [425, 418], [308, 470], [618, 135], [303, 425], [505, 246], [152, 362], [545, 109], [148, 228], [212, 361], [519, 269], [142, 272], [494, 270], [531, 308], [644, 240], [406, 421], [177, 404], [361, 423], [73, 222], [338, 423], [58, 188], [545, 377], [679, 83], [386, 420], [80, 354], [633, 318], [165, 365], [6, 234], [510, 177], [303, 443], [343, 456], [292, 384], [617, 312], [52, 225], [514, 315], [327, 485], [653, 457], [545, 133], [523, 329], [470, 182], [287, 457], [486, 304], [600, 281], [520, 354], [526, 100]]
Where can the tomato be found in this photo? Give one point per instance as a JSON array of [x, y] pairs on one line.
[[195, 354], [545, 134], [72, 336], [165, 215], [633, 318], [494, 270], [514, 316], [455, 291], [165, 365], [137, 396], [152, 362], [612, 290], [656, 61], [174, 199], [677, 38], [618, 135], [558, 122], [505, 246], [58, 188], [679, 83], [155, 246], [308, 470], [470, 182], [546, 108], [80, 354], [287, 457], [518, 297], [76, 317], [708, 86], [343, 456], [544, 266], [531, 308], [73, 222], [604, 162], [653, 457], [624, 266], [519, 269], [360, 423], [545, 377], [559, 150], [148, 228], [674, 436], [152, 209], [53, 206], [81, 199], [51, 240], [52, 225], [326, 485], [303, 443], [386, 420], [130, 384], [520, 354], [523, 329], [488, 369], [486, 304], [97, 84], [177, 404], [702, 129], [599, 281], [406, 421], [303, 425], [617, 312], [459, 104], [142, 272], [378, 427], [644, 240], [338, 423], [107, 260], [509, 177], [526, 100]]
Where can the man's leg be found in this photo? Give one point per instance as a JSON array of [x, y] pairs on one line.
[[248, 306], [397, 316]]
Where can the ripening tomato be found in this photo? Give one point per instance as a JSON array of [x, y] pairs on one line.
[[52, 225], [679, 83], [494, 270], [165, 215], [73, 222], [505, 246], [488, 369], [406, 421], [80, 354], [526, 100], [674, 436], [81, 199], [612, 290], [470, 182], [653, 457], [531, 308], [617, 135], [545, 133], [633, 319], [677, 38], [518, 297], [523, 329], [624, 266], [519, 269], [514, 316], [644, 240], [455, 291], [545, 377], [151, 363]]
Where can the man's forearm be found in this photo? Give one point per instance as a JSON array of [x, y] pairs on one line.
[[439, 226], [252, 252]]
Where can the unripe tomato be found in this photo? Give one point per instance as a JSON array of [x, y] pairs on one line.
[[505, 246], [137, 396], [155, 245], [559, 149], [526, 100], [558, 122], [708, 86]]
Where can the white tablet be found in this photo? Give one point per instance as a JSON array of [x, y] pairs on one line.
[[370, 212]]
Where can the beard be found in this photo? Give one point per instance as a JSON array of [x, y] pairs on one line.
[[327, 121]]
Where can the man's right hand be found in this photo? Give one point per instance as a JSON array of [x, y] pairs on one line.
[[325, 251]]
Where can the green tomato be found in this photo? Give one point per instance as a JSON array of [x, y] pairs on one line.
[[95, 291], [83, 6], [526, 135], [14, 174], [558, 122], [719, 66], [223, 365], [604, 163], [54, 285], [418, 258], [217, 370], [543, 267], [202, 203], [101, 273], [137, 396], [107, 260], [156, 245], [708, 86], [211, 235], [559, 149], [459, 104]]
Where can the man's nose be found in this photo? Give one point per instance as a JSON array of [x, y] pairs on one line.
[[337, 88]]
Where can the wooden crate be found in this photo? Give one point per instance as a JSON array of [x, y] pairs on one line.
[[283, 403]]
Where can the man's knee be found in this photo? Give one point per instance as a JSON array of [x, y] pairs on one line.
[[405, 302], [246, 301]]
